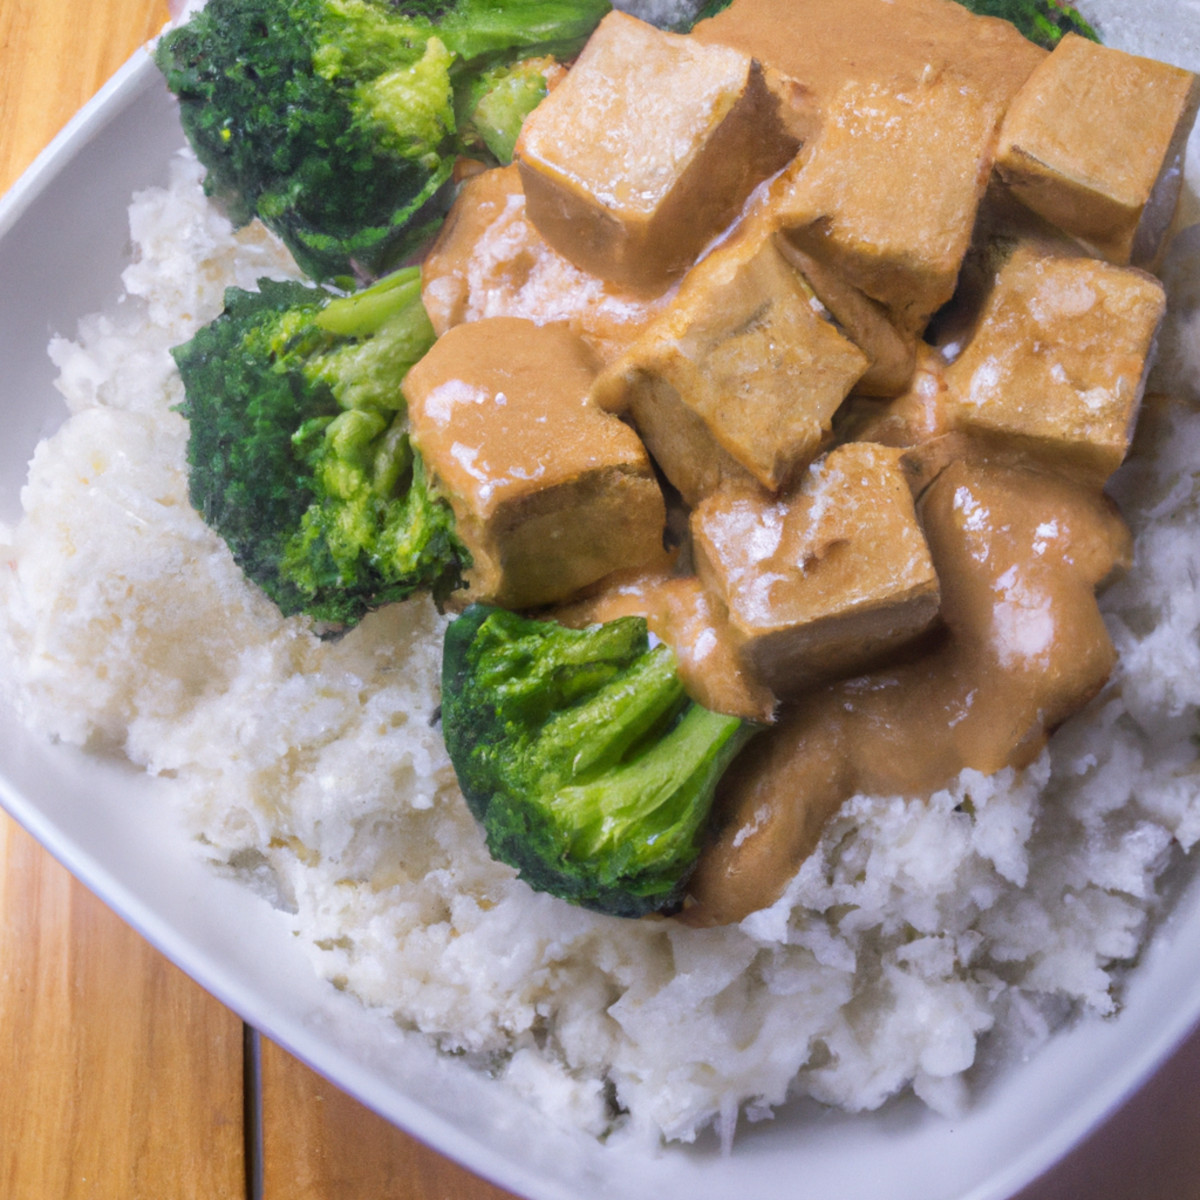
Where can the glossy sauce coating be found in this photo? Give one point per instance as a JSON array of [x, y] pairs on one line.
[[550, 493], [1019, 555], [490, 261]]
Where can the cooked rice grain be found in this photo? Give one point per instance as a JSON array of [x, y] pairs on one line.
[[993, 911]]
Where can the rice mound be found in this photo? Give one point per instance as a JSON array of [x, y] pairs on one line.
[[917, 934]]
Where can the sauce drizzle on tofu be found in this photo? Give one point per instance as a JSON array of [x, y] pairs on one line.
[[1019, 554], [883, 361]]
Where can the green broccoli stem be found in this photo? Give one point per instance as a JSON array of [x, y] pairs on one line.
[[364, 313], [627, 713], [480, 32], [664, 795], [494, 108]]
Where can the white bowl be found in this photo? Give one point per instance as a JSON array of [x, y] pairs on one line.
[[63, 242]]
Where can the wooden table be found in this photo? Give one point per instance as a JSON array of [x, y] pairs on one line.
[[120, 1079]]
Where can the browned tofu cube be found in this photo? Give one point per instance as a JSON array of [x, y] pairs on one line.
[[917, 415], [739, 377], [490, 261], [680, 611], [647, 150], [887, 194], [1057, 364], [1094, 143], [825, 580], [1019, 553], [549, 492], [891, 353], [899, 102]]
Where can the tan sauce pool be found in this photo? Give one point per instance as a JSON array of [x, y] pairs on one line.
[[1019, 554]]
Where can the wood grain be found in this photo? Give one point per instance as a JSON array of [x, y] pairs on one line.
[[319, 1144], [55, 56], [121, 1079]]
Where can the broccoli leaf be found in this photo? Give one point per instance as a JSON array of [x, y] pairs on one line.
[[299, 454], [590, 769]]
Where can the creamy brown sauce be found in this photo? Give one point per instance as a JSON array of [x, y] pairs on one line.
[[1019, 555], [550, 493], [490, 261], [825, 46]]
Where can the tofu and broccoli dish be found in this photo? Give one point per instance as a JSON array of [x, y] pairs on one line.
[[646, 515], [849, 381]]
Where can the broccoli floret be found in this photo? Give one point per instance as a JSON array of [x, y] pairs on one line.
[[334, 120], [499, 101], [298, 452], [589, 768], [1043, 21]]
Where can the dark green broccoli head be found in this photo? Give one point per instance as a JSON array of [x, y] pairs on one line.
[[590, 769], [1043, 21], [334, 120], [298, 451]]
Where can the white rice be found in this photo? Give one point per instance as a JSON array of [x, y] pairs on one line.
[[919, 935]]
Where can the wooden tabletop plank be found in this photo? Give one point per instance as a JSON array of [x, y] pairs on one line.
[[1148, 1150], [55, 56], [120, 1079], [319, 1144]]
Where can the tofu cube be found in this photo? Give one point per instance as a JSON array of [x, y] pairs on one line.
[[891, 353], [1057, 364], [823, 581], [549, 492], [1094, 143], [888, 193], [739, 378], [647, 150]]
